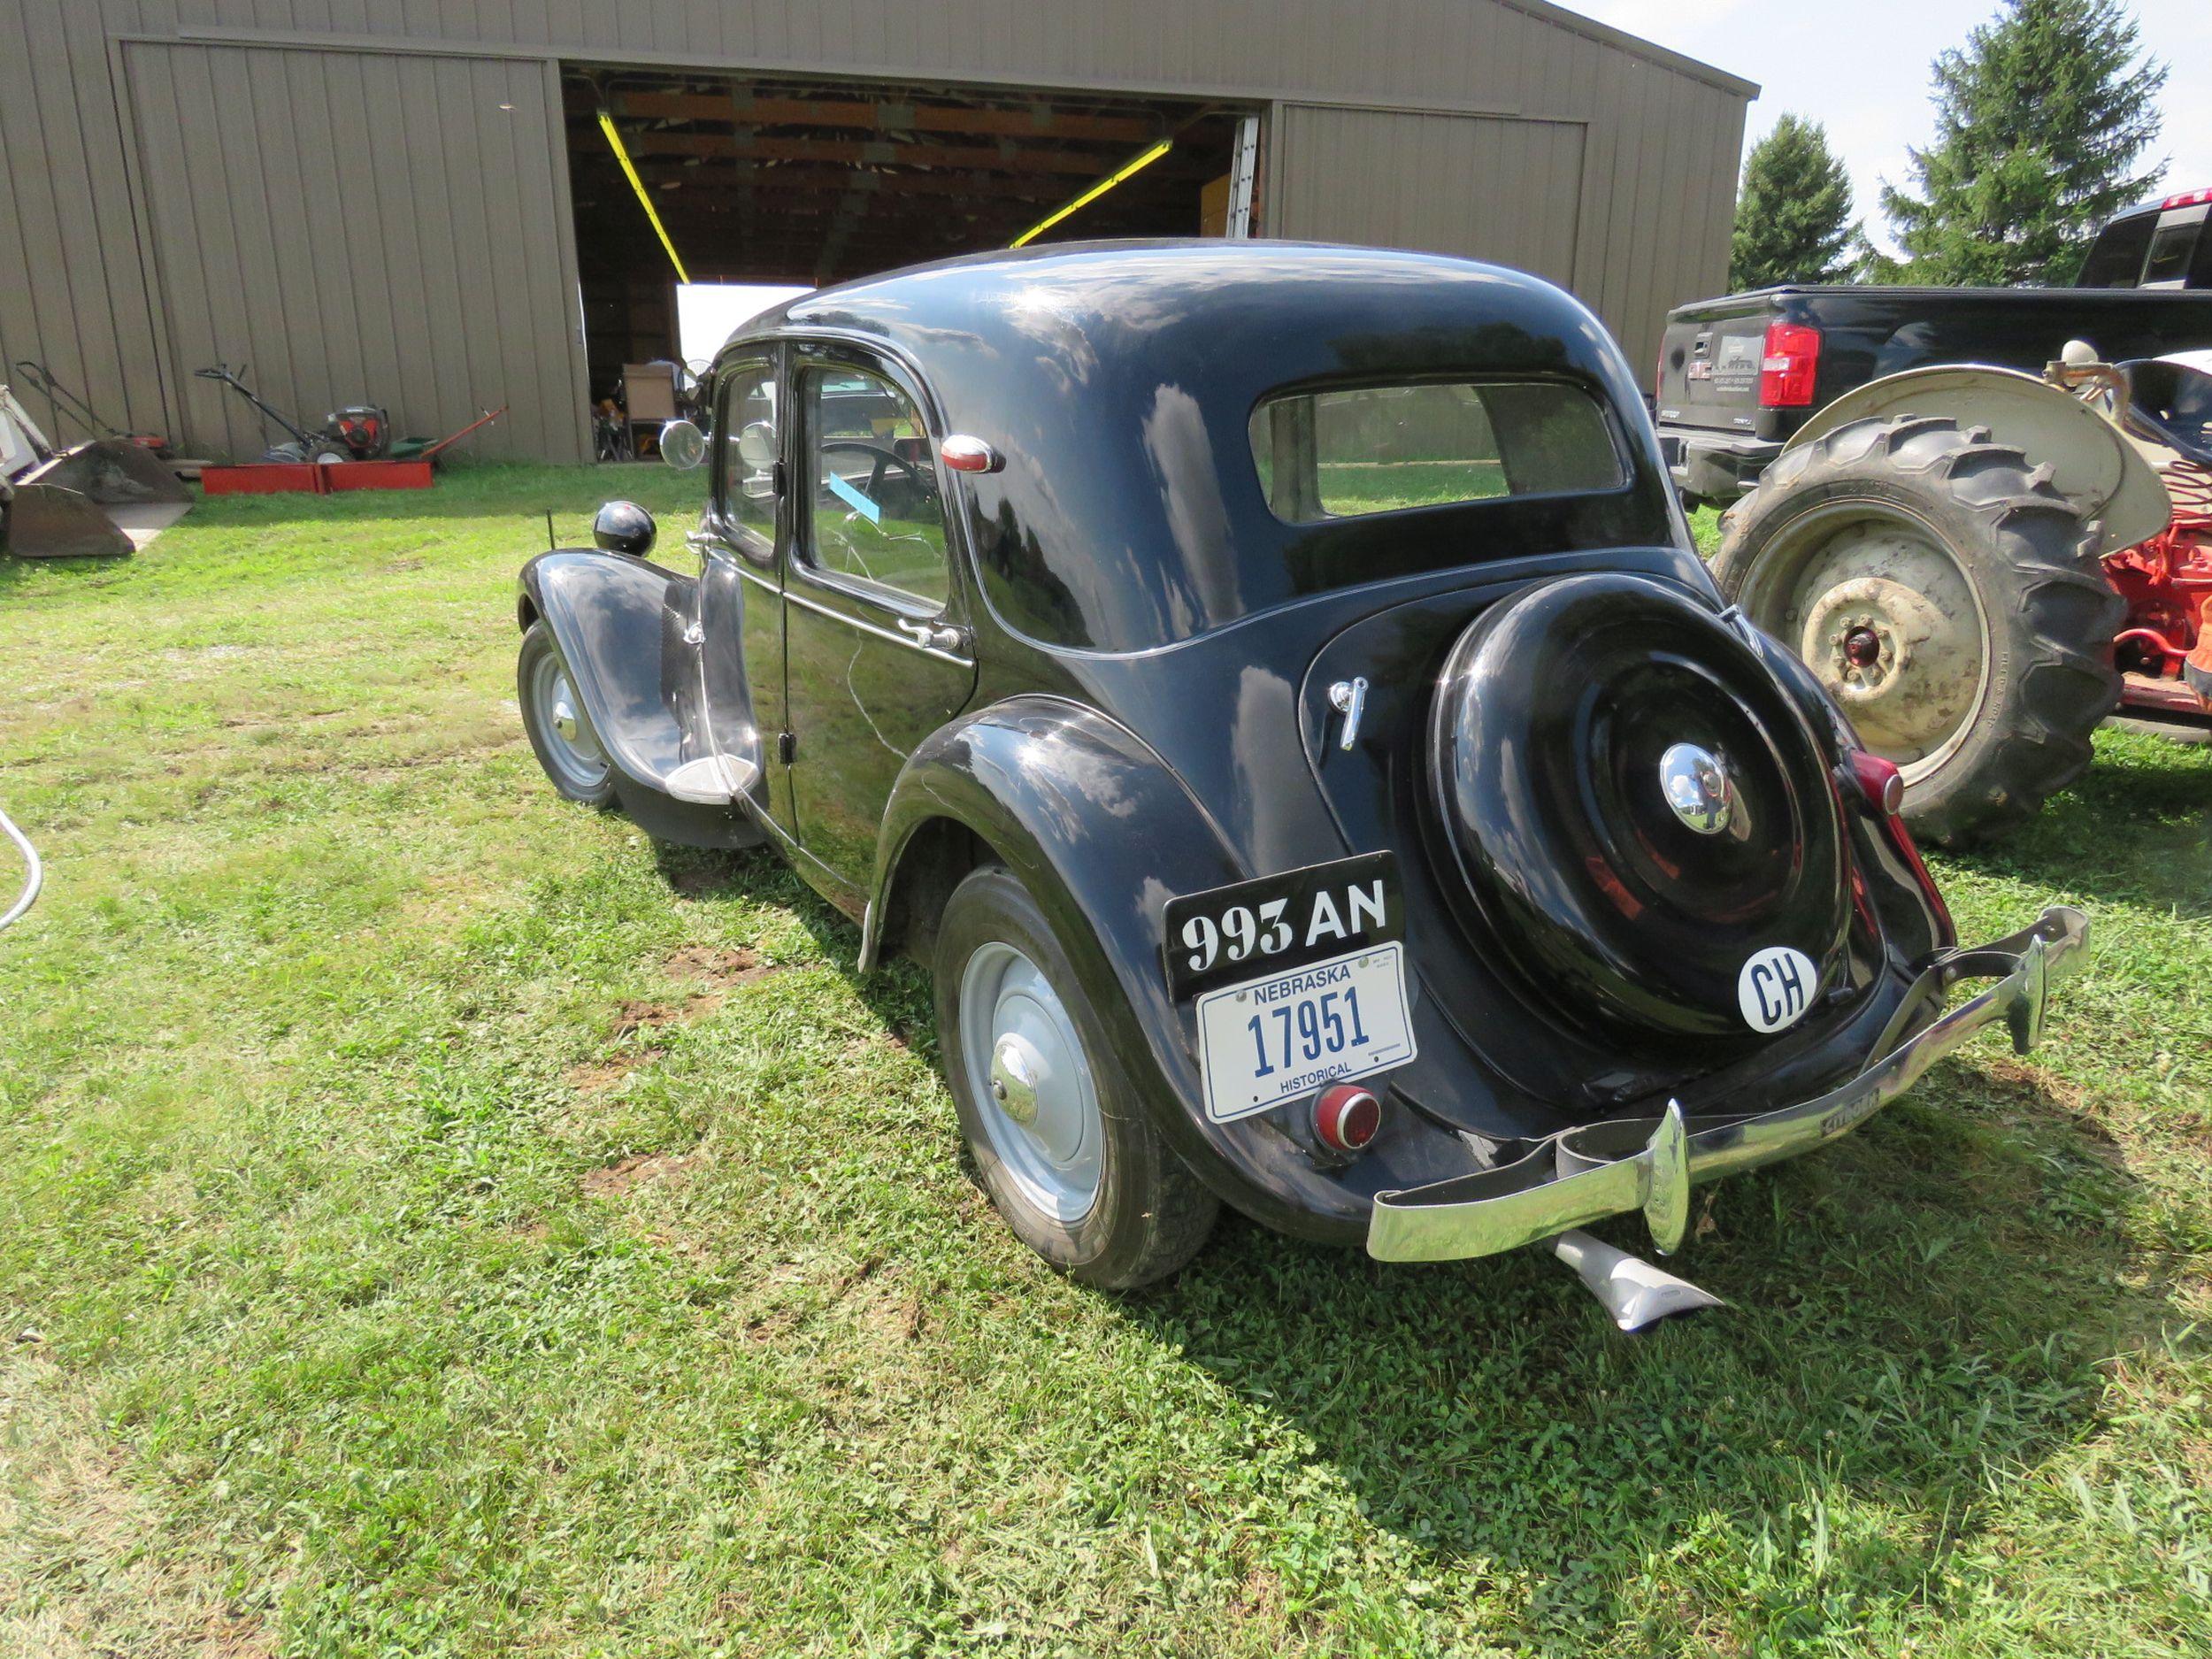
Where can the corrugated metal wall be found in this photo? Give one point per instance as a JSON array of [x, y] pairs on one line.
[[1507, 191], [359, 226], [1363, 89]]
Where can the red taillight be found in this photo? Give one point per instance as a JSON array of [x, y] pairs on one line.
[[1346, 1118], [1787, 368], [1884, 787], [1880, 781], [2187, 198]]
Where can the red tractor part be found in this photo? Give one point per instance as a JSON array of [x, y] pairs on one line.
[[2165, 650]]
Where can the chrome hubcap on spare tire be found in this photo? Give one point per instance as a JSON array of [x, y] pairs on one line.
[[571, 748], [1031, 1086], [1869, 596]]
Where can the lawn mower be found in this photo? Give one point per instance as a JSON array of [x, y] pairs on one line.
[[359, 431], [59, 398]]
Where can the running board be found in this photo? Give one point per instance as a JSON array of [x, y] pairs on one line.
[[1634, 1292], [710, 780]]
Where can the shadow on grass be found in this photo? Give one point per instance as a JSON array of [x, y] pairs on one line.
[[2130, 831], [1916, 1314]]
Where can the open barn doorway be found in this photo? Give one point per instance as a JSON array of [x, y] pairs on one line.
[[782, 183]]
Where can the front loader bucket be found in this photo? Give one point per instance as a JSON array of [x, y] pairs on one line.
[[112, 473], [45, 521]]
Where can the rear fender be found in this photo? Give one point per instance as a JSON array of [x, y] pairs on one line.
[[2093, 463], [1102, 833]]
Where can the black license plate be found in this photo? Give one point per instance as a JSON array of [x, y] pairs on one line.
[[1253, 928]]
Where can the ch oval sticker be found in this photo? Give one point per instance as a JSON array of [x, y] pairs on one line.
[[1775, 987]]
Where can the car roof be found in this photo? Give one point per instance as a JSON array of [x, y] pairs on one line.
[[1118, 380], [1045, 318]]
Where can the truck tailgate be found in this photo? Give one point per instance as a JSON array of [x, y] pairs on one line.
[[1708, 365]]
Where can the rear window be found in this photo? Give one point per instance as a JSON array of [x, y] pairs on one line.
[[2171, 248], [2116, 259], [1347, 453]]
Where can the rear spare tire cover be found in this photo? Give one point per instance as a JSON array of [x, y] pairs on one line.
[[1560, 717]]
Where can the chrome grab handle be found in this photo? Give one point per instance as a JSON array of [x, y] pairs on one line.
[[1349, 698], [930, 636]]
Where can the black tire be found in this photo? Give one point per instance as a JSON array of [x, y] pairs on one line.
[[2045, 620], [538, 647], [1151, 1215]]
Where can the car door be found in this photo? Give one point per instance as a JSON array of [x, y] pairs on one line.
[[876, 652], [742, 543]]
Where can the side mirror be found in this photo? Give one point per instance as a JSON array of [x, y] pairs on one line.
[[756, 446], [623, 526], [683, 446]]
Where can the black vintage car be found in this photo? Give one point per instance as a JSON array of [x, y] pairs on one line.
[[1272, 689]]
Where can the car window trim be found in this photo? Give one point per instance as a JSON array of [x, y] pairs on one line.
[[811, 358], [744, 539], [1608, 417]]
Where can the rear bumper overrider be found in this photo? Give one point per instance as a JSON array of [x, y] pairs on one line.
[[1648, 1163]]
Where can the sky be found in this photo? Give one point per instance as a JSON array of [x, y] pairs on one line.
[[1860, 67]]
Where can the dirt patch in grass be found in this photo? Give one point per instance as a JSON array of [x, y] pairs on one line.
[[595, 1076], [721, 968], [637, 1014], [717, 971], [619, 1179]]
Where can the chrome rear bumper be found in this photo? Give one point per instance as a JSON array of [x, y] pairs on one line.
[[1648, 1163]]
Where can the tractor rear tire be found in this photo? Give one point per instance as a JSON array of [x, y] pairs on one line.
[[1951, 601]]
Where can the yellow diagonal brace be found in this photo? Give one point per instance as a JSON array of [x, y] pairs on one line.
[[606, 125], [1095, 192]]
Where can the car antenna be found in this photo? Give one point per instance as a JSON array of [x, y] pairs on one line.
[[549, 529]]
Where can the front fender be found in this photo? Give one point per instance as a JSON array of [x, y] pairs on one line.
[[1103, 832], [609, 615]]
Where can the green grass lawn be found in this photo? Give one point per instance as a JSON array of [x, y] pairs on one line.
[[433, 1220]]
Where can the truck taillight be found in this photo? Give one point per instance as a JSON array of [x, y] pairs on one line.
[[1787, 369]]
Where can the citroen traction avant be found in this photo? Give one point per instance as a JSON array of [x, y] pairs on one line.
[[1272, 689]]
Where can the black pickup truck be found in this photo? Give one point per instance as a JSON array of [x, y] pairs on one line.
[[1738, 375]]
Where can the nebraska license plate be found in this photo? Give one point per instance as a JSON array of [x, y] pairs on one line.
[[1276, 1039]]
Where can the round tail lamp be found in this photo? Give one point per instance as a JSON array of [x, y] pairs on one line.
[[1346, 1118], [1883, 785]]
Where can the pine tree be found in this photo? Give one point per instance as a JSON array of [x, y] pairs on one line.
[[2040, 118], [1794, 214]]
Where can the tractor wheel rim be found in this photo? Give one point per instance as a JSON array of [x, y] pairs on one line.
[[1031, 1082], [572, 746], [1868, 596]]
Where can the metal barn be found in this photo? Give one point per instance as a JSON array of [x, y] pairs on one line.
[[417, 201]]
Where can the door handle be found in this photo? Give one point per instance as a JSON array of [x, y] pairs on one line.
[[930, 635]]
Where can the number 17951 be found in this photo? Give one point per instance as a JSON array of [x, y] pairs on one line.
[[1306, 1030]]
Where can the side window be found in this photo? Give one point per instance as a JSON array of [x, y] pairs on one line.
[[876, 516], [746, 429]]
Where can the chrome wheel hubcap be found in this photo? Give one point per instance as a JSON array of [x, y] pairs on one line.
[[572, 746], [1031, 1082]]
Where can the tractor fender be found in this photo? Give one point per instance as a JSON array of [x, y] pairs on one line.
[[1102, 833], [2092, 462]]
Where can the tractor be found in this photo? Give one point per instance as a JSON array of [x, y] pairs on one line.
[[1981, 564]]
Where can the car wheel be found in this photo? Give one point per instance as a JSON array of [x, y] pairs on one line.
[[1950, 600], [560, 731], [1059, 1138]]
